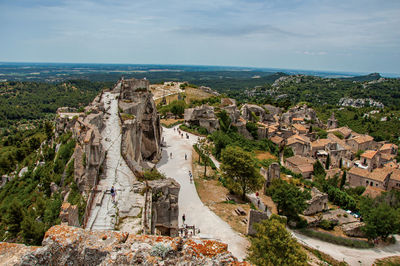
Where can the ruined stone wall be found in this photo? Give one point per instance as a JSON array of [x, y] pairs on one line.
[[255, 217]]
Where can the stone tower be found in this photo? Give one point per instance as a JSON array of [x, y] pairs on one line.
[[332, 122]]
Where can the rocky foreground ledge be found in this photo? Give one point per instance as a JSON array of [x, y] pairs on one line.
[[67, 245]]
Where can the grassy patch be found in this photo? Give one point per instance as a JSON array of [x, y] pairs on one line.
[[168, 123], [125, 116]]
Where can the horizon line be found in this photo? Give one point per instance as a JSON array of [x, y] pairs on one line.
[[205, 65]]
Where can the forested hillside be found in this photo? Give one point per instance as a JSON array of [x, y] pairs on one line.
[[32, 100]]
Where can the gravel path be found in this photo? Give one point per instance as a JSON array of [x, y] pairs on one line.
[[211, 226]]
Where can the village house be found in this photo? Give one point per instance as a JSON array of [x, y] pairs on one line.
[[343, 131], [297, 120], [301, 165], [319, 145], [389, 148], [339, 151], [370, 159], [276, 140], [379, 177], [300, 129], [300, 145], [394, 180], [363, 142]]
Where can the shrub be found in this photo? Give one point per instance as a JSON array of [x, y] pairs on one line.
[[327, 225], [355, 243], [160, 250]]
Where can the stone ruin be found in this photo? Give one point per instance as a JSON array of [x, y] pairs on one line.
[[273, 172], [248, 110], [202, 116], [165, 209], [65, 245], [332, 122], [141, 128], [302, 111], [317, 203], [255, 217]]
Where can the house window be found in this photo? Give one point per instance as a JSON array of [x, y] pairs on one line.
[[376, 185], [367, 182], [372, 183]]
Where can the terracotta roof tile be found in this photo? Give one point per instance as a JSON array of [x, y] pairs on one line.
[[369, 154]]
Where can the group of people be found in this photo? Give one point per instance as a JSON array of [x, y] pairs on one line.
[[191, 177], [180, 133]]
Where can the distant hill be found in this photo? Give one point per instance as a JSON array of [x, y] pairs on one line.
[[369, 77]]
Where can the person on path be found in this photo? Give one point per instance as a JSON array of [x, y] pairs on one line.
[[170, 154], [113, 194], [183, 219], [185, 156]]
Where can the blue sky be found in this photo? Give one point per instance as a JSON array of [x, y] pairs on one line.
[[352, 35]]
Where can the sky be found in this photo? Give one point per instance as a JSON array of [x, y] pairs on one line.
[[336, 35]]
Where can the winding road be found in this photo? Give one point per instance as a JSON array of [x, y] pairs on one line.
[[196, 213]]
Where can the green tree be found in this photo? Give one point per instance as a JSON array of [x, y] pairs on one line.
[[319, 169], [13, 217], [178, 107], [239, 170], [274, 245], [205, 153], [224, 121], [380, 219], [290, 200], [328, 162], [343, 180]]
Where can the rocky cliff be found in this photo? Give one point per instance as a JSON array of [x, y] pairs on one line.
[[141, 129], [65, 245]]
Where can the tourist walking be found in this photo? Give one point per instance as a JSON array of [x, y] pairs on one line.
[[112, 190], [185, 156], [170, 154], [183, 219]]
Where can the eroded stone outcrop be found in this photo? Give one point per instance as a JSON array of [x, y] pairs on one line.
[[165, 209], [64, 245], [141, 129], [202, 116]]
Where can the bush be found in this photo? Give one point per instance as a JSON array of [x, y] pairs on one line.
[[152, 174], [326, 225], [160, 250], [348, 242]]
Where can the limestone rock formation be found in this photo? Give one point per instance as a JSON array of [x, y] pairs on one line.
[[353, 229], [86, 128], [64, 245], [249, 110], [141, 129], [203, 116], [165, 209]]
